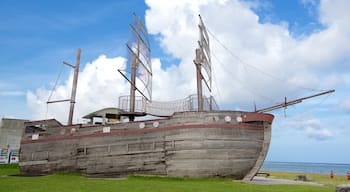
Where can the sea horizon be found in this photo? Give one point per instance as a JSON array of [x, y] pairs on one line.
[[307, 167], [339, 163]]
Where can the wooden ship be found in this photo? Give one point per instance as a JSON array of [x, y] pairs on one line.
[[191, 137]]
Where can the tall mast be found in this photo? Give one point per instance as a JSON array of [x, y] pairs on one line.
[[74, 87], [197, 62], [132, 86], [203, 60], [140, 67], [134, 63]]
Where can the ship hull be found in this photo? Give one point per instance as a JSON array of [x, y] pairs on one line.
[[229, 144]]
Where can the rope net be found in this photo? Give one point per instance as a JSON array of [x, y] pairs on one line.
[[167, 108]]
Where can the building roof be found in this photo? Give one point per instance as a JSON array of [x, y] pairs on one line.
[[104, 111]]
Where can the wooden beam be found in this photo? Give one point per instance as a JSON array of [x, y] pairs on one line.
[[293, 102]]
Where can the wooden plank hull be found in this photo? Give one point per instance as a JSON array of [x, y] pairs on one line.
[[189, 144]]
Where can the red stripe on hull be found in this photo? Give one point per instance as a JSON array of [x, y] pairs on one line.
[[147, 130]]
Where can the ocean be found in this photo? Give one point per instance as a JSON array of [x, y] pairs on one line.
[[318, 168]]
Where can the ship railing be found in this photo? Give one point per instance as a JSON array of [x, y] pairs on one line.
[[140, 103], [167, 108]]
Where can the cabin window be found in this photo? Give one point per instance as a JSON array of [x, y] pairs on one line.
[[111, 116], [97, 120], [33, 129]]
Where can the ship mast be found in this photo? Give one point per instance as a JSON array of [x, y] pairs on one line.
[[140, 67], [134, 63], [133, 83], [203, 60], [199, 77], [74, 87]]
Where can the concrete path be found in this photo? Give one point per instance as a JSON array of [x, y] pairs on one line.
[[272, 181]]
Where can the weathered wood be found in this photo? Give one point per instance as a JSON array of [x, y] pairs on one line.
[[189, 144]]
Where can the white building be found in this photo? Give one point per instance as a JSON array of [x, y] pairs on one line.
[[11, 131]]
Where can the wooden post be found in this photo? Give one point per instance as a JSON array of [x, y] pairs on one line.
[[74, 88]]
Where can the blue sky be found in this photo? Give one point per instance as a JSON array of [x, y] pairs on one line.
[[300, 44]]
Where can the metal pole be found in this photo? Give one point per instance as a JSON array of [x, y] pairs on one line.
[[74, 87]]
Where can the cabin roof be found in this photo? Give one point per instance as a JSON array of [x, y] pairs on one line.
[[104, 111]]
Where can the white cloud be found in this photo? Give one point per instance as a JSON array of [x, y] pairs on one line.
[[12, 93], [302, 122], [99, 85], [310, 126], [335, 13], [292, 63], [311, 123], [319, 134], [345, 105]]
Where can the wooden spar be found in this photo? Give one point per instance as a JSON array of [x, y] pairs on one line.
[[293, 102], [132, 86], [74, 88], [138, 90], [197, 62], [58, 101]]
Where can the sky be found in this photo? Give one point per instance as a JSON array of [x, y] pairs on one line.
[[262, 52]]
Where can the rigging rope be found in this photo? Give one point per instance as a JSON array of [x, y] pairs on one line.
[[252, 66], [53, 90], [302, 114], [216, 82], [56, 82], [242, 84]]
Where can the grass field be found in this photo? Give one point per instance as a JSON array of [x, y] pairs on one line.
[[77, 183]]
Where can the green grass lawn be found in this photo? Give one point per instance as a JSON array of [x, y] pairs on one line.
[[78, 183]]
